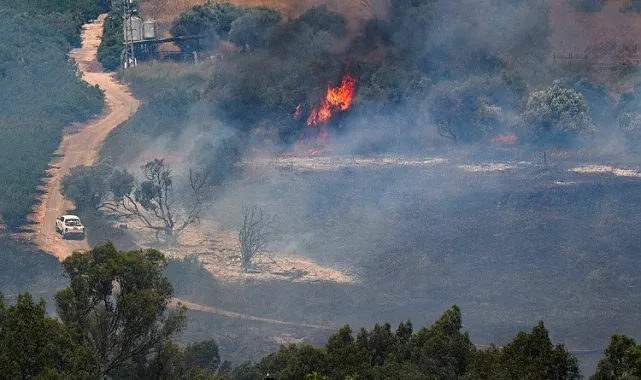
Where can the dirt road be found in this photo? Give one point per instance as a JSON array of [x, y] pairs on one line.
[[232, 314], [81, 148]]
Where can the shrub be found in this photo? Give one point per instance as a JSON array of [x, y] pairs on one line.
[[557, 114]]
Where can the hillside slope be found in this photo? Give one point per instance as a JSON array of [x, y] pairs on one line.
[[605, 33]]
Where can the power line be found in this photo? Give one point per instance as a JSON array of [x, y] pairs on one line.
[[129, 54]]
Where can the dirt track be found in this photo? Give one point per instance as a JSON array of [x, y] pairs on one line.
[[81, 148], [231, 314]]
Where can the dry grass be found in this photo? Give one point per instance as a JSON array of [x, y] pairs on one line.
[[609, 37], [582, 32], [218, 250], [325, 163], [601, 169]]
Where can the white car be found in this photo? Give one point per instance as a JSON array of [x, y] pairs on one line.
[[70, 225]]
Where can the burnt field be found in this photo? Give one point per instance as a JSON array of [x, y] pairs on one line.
[[510, 244]]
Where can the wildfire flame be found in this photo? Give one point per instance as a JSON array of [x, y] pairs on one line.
[[336, 99]]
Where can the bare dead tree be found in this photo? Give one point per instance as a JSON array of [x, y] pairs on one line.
[[254, 234], [153, 202]]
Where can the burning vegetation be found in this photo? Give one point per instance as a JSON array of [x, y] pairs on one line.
[[315, 138]]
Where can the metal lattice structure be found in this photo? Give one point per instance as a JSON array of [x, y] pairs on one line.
[[129, 53]]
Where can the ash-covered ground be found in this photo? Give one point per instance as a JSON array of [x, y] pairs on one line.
[[510, 243]]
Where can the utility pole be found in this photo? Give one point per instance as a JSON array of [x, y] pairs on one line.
[[129, 55]]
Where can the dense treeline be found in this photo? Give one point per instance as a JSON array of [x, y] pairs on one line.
[[36, 37], [110, 49], [420, 65], [114, 321], [422, 79]]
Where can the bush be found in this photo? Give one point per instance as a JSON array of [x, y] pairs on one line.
[[468, 110], [557, 114], [320, 18], [110, 49], [630, 125], [251, 28], [212, 20]]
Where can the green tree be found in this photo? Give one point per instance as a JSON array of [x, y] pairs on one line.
[[111, 48], [93, 187], [33, 65], [622, 360], [315, 376], [117, 306], [294, 362], [86, 186], [250, 29], [442, 349], [629, 124], [535, 356], [557, 114], [321, 18], [33, 345], [466, 111], [203, 355], [529, 356]]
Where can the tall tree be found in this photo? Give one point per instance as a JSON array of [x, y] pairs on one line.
[[529, 356], [117, 306], [622, 360], [557, 114], [33, 344]]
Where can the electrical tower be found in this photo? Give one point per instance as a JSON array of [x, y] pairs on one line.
[[129, 54]]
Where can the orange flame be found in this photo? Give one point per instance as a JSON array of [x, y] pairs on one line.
[[336, 99]]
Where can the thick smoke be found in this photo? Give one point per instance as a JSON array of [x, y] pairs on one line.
[[441, 221]]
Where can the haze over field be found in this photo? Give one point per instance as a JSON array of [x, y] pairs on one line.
[[321, 165]]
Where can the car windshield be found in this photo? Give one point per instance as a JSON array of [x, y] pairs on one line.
[[72, 222]]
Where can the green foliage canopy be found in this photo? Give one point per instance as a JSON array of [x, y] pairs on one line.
[[557, 113], [116, 305], [34, 65]]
